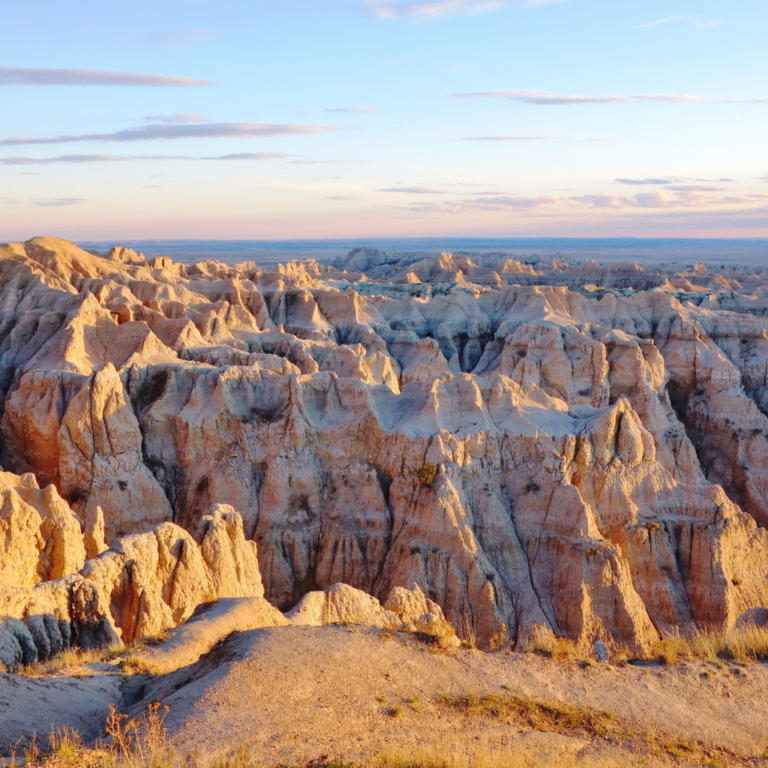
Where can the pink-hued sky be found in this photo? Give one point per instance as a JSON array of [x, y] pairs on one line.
[[346, 118]]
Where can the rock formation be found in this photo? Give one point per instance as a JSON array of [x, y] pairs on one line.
[[143, 585], [598, 434]]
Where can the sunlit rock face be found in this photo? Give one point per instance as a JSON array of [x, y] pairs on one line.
[[580, 446]]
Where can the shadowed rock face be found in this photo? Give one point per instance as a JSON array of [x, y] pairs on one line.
[[600, 456]]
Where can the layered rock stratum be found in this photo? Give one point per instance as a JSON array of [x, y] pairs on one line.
[[536, 442]]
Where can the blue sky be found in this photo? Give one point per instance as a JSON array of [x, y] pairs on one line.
[[347, 118]]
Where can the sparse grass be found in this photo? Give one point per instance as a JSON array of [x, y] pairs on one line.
[[132, 665], [144, 743], [485, 757], [133, 743], [543, 641], [536, 715], [744, 645], [72, 657]]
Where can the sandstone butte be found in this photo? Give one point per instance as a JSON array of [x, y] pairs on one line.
[[502, 444]]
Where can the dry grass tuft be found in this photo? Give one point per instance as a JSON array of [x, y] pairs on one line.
[[73, 657], [133, 743], [485, 757], [542, 640], [743, 645], [536, 715]]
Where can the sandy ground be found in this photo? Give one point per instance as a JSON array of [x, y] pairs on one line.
[[294, 694], [39, 705]]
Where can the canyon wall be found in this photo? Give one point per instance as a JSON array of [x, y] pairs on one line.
[[579, 446]]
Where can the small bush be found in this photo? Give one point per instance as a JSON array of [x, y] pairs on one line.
[[532, 488], [427, 474]]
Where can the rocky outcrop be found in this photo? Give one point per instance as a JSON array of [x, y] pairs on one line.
[[210, 624], [405, 610], [145, 583], [342, 604], [40, 536], [592, 461]]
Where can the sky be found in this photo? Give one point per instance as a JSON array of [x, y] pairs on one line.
[[246, 119]]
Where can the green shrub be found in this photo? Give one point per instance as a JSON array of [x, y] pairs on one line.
[[427, 474]]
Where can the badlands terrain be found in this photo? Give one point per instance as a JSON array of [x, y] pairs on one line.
[[482, 449]]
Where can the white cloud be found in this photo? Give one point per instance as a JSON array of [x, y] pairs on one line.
[[512, 138], [188, 117], [638, 182], [118, 158], [683, 197], [61, 201], [600, 201], [181, 131], [351, 110], [500, 203], [415, 190], [425, 10], [27, 76], [549, 98]]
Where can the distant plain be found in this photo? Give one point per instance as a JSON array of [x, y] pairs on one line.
[[651, 251]]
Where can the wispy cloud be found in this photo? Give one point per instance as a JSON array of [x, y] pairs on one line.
[[339, 197], [117, 158], [424, 10], [187, 117], [61, 201], [682, 197], [415, 190], [549, 98], [638, 182], [659, 22], [695, 188], [512, 138], [251, 156], [306, 161], [174, 39], [669, 180], [351, 110], [27, 76], [694, 21], [537, 138], [745, 199], [510, 204], [181, 131], [60, 159]]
